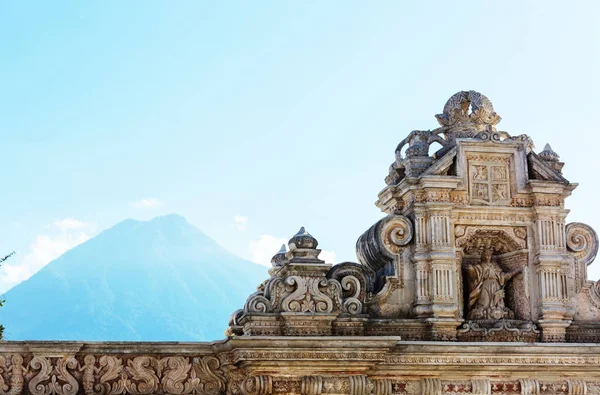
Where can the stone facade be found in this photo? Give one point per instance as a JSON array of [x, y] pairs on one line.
[[473, 282], [475, 246]]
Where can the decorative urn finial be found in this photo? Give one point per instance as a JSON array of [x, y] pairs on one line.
[[279, 259]]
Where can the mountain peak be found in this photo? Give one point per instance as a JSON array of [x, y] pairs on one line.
[[173, 217], [161, 279]]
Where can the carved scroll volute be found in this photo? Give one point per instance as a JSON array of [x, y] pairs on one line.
[[53, 379], [582, 241], [142, 371], [382, 242], [354, 282]]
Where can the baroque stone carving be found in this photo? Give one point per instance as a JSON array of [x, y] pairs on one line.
[[109, 374], [582, 240], [489, 180], [420, 274], [381, 243], [486, 283], [456, 110], [476, 239], [499, 331]]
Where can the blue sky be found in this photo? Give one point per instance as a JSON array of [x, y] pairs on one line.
[[279, 113]]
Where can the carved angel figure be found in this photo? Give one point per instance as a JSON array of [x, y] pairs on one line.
[[487, 281]]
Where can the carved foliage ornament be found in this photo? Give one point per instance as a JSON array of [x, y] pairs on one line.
[[111, 374]]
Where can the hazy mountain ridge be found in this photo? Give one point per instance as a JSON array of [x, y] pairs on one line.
[[155, 280]]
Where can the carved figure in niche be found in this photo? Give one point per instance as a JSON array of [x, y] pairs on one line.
[[486, 282]]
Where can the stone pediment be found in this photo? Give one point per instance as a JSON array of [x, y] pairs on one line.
[[542, 170]]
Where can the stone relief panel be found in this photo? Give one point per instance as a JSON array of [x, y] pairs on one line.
[[110, 374], [489, 179]]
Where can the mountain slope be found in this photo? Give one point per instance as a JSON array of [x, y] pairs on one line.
[[157, 280]]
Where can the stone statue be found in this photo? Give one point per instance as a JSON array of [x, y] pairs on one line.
[[487, 281]]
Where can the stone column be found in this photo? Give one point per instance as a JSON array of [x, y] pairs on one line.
[[445, 313], [422, 263], [551, 274]]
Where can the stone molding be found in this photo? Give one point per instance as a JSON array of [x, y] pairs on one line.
[[298, 365]]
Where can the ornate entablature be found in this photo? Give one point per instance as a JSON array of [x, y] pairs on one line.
[[474, 246]]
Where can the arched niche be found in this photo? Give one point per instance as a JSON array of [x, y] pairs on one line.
[[510, 252]]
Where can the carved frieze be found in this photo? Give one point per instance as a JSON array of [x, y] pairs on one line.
[[111, 374]]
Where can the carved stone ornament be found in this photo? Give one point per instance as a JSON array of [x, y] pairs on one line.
[[486, 283], [421, 275], [111, 374], [456, 110], [582, 240], [382, 242]]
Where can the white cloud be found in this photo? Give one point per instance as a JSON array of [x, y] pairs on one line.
[[67, 224], [240, 222], [328, 256], [146, 203], [266, 246], [66, 234]]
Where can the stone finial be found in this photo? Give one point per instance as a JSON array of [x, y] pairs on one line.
[[456, 112], [551, 158], [303, 239], [303, 248], [548, 154], [279, 259]]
